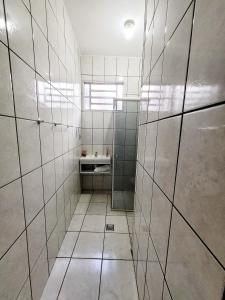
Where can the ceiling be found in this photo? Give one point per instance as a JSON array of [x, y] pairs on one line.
[[98, 25]]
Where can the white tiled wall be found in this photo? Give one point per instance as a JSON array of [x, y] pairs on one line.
[[111, 69], [178, 232], [39, 183]]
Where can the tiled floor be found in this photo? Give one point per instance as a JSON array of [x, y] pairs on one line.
[[93, 263]]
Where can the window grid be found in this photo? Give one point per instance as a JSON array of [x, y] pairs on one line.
[[100, 96]]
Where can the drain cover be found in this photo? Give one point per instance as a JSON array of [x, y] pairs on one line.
[[109, 227]]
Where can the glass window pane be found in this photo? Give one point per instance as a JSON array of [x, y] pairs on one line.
[[86, 104], [103, 87], [103, 94], [119, 91], [101, 107], [102, 101], [86, 89]]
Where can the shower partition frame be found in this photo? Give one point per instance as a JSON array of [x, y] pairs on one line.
[[115, 109]]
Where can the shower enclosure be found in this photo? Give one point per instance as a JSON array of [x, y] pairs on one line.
[[125, 115]]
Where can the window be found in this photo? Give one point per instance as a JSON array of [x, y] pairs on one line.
[[100, 96]]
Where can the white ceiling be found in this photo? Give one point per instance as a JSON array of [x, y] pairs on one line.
[[98, 25]]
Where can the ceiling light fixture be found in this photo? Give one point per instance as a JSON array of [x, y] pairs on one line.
[[129, 27]]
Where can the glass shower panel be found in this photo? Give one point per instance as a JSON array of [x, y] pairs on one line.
[[124, 153]]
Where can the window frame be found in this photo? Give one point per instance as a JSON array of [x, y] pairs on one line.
[[89, 106]]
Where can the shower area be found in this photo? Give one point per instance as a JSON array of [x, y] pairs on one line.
[[125, 115]]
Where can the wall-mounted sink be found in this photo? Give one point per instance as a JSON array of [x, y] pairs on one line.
[[98, 160]]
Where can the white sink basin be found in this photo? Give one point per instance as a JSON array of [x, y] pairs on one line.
[[91, 159]]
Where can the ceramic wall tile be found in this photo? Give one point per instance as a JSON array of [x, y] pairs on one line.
[[39, 14], [24, 88], [19, 30], [146, 198], [86, 64], [52, 25], [25, 292], [47, 149], [122, 66], [175, 12], [36, 237], [11, 220], [160, 223], [44, 94], [59, 171], [98, 136], [110, 65], [134, 66], [159, 30], [154, 94], [191, 265], [6, 101], [133, 86], [87, 119], [12, 278], [9, 160], [206, 87], [140, 275], [49, 180], [44, 99], [175, 68], [54, 71], [3, 28], [33, 193], [39, 275], [58, 139], [141, 143], [150, 147], [98, 65], [147, 59], [97, 119], [202, 200], [86, 136], [29, 145], [51, 215], [41, 52], [166, 154]]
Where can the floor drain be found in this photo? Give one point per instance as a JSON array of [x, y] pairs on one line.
[[109, 227]]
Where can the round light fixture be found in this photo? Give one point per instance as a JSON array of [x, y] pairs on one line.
[[129, 26]]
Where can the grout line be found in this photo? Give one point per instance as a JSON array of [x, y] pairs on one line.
[[40, 145], [179, 141], [28, 224], [72, 252], [182, 115], [94, 258], [18, 148], [107, 232], [154, 167], [37, 72], [10, 52], [100, 279], [186, 112], [52, 160], [186, 221]]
